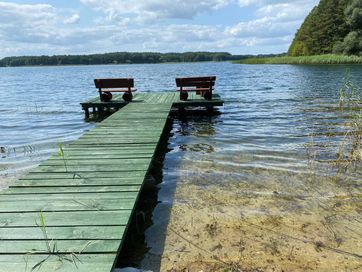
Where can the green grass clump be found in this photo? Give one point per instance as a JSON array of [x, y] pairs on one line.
[[318, 59]]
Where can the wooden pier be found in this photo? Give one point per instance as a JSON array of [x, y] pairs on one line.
[[71, 213]]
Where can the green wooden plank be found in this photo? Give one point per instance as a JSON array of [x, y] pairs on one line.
[[83, 263], [137, 121], [80, 169], [85, 175], [73, 218], [72, 189], [123, 133], [87, 204], [63, 233], [111, 142], [129, 116], [126, 131], [94, 161], [101, 156], [93, 151], [79, 182], [116, 135], [70, 196], [124, 150], [136, 146], [62, 246]]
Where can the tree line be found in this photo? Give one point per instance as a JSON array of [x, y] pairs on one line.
[[118, 58]]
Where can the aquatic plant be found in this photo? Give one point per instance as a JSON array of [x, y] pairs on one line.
[[51, 250], [317, 59], [350, 96], [350, 103], [61, 155]]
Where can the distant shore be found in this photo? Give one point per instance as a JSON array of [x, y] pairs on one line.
[[123, 58], [318, 59], [118, 58]]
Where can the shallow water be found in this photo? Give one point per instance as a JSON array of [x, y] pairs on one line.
[[239, 189]]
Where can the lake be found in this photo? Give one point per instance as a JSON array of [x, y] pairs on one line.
[[256, 187]]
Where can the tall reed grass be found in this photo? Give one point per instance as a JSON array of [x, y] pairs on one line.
[[318, 59]]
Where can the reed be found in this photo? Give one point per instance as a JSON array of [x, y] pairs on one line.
[[318, 59], [52, 252], [349, 154]]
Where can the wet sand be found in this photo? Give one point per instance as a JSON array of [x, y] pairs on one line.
[[311, 225]]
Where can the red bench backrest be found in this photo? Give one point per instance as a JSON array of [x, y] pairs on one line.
[[198, 82], [114, 83]]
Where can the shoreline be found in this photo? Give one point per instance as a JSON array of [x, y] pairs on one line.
[[328, 59], [110, 64]]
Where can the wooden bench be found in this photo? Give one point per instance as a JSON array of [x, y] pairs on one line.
[[107, 86], [201, 85]]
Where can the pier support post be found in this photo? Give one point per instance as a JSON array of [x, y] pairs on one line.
[[86, 111]]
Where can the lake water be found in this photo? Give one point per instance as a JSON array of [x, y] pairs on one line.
[[248, 189]]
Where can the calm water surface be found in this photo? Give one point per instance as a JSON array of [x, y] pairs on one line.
[[257, 145]]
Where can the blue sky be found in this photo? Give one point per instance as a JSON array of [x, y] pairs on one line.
[[47, 27]]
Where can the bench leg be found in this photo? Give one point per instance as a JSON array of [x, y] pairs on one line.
[[184, 96], [127, 96], [210, 109], [181, 111], [86, 111], [207, 96]]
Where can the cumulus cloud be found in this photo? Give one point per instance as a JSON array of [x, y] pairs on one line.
[[72, 20], [276, 21], [12, 13], [151, 10]]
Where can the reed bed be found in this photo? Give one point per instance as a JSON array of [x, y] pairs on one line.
[[318, 59]]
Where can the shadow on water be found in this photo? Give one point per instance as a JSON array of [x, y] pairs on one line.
[[153, 210]]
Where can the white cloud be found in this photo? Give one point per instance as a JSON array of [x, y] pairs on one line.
[[72, 20], [14, 14], [152, 10], [276, 22]]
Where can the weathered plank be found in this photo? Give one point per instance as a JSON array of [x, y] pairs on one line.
[[70, 189], [62, 246], [79, 204], [73, 218], [93, 182], [63, 233], [59, 263]]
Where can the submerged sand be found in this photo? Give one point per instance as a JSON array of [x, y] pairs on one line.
[[313, 225]]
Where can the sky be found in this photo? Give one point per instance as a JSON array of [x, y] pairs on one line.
[[49, 27]]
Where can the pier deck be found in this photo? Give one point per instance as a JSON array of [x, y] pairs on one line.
[[71, 213], [155, 97]]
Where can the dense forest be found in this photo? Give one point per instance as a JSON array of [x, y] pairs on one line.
[[334, 26], [118, 58]]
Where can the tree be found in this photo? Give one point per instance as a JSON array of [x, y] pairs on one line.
[[354, 15], [322, 29], [352, 43]]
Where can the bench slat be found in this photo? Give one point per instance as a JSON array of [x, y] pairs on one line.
[[114, 83], [196, 81], [118, 91], [194, 90]]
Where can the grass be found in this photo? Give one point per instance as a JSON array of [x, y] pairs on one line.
[[350, 102], [318, 59], [62, 155], [347, 149], [51, 250]]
